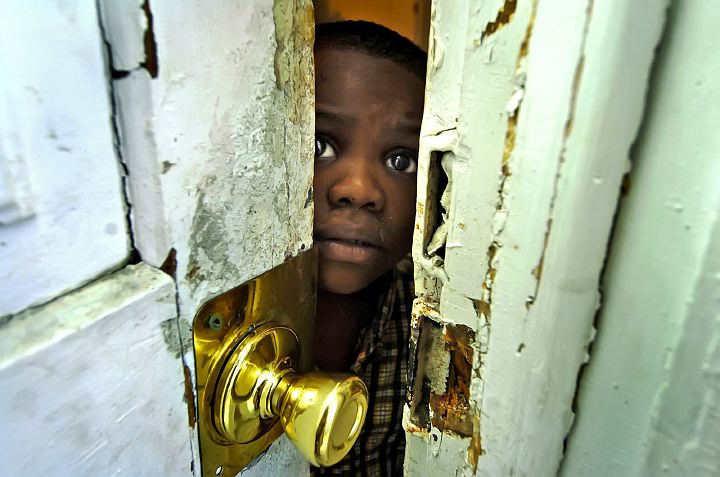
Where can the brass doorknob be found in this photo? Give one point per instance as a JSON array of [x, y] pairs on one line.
[[322, 413]]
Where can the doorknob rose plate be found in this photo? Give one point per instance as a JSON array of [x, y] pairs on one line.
[[254, 378]]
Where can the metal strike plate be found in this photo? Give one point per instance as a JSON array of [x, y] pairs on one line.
[[283, 296]]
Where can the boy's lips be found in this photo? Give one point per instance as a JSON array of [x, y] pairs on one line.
[[349, 243], [346, 251]]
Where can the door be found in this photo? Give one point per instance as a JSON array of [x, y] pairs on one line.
[[531, 110], [154, 155], [533, 113]]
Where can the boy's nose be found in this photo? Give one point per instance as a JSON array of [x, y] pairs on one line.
[[357, 188]]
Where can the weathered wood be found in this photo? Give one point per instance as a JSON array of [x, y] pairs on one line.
[[532, 106], [91, 383], [61, 197], [648, 402]]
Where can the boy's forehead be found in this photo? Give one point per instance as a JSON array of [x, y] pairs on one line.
[[350, 75], [331, 58]]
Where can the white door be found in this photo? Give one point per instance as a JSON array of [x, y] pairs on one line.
[[153, 155]]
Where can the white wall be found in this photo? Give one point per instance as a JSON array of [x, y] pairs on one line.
[[649, 402]]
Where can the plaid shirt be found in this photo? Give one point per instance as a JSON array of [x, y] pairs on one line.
[[381, 362]]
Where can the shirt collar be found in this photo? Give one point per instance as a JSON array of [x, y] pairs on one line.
[[370, 341]]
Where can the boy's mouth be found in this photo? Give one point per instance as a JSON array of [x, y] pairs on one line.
[[362, 234], [347, 250], [349, 241], [358, 243]]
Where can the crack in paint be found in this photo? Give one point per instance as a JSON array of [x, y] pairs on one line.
[[133, 252], [567, 130]]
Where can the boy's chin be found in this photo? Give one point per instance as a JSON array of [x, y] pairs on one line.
[[342, 282]]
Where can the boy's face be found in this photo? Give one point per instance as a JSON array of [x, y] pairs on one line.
[[368, 114]]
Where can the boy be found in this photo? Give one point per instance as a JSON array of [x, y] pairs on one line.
[[369, 101]]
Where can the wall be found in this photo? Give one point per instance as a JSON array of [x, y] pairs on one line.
[[410, 18]]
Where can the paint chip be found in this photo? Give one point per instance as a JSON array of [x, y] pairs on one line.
[[503, 17], [189, 397], [451, 409]]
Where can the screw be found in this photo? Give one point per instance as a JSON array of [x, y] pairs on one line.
[[215, 322]]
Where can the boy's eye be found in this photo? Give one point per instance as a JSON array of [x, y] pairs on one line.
[[402, 162], [323, 149]]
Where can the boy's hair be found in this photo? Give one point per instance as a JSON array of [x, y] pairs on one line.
[[373, 39]]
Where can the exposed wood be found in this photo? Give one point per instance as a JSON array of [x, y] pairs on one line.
[[537, 136], [91, 382], [61, 197], [648, 401]]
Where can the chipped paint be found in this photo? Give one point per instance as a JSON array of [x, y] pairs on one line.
[[482, 309], [274, 148], [294, 29], [513, 116], [169, 265], [450, 410], [189, 397], [475, 450], [504, 16], [150, 64]]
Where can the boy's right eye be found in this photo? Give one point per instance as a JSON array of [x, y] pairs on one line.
[[323, 149]]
